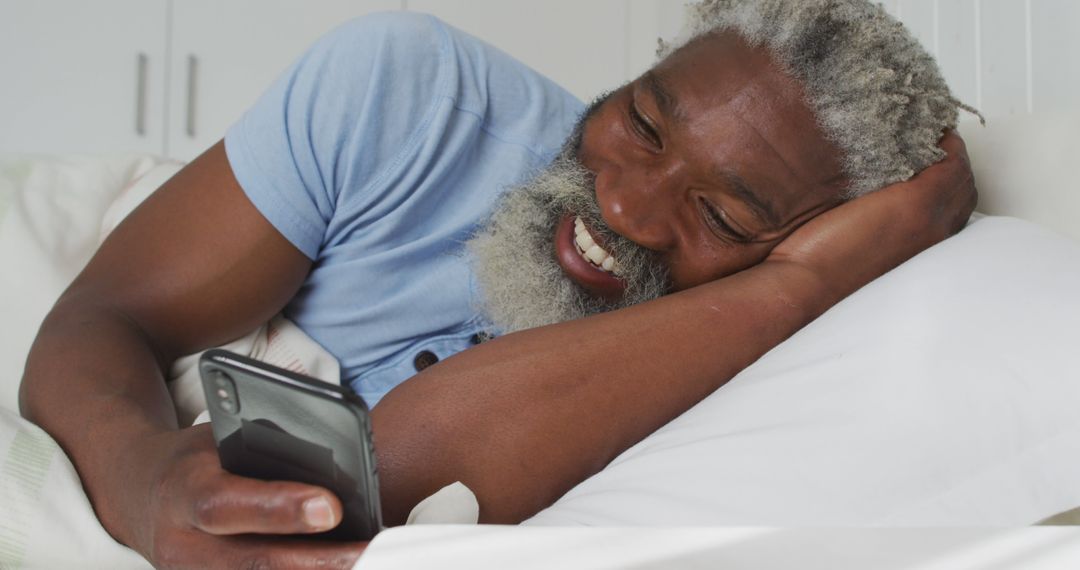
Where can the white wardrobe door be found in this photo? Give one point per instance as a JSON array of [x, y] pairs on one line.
[[581, 45], [225, 53], [82, 77]]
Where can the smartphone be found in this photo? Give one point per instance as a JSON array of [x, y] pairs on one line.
[[273, 424]]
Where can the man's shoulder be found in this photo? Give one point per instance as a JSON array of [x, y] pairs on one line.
[[399, 44], [438, 58], [423, 33], [396, 22]]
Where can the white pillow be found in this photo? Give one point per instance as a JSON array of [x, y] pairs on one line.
[[47, 521], [944, 393], [51, 210]]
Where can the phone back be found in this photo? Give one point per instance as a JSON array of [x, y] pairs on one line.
[[273, 424]]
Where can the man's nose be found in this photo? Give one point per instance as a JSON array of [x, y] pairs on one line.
[[640, 206]]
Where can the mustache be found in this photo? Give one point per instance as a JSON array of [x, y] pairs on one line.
[[587, 206], [514, 255], [645, 268]]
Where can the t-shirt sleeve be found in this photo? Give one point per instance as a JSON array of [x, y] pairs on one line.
[[336, 120]]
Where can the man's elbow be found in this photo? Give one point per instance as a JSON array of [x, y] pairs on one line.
[[425, 444]]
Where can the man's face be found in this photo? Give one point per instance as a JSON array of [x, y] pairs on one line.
[[692, 172], [711, 159]]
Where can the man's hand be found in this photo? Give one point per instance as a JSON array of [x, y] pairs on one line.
[[174, 278], [197, 515], [854, 243]]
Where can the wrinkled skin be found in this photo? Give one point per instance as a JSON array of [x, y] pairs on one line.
[[667, 149]]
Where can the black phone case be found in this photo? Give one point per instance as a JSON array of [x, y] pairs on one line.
[[273, 424]]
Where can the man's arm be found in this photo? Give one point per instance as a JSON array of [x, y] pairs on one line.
[[194, 266], [522, 419]]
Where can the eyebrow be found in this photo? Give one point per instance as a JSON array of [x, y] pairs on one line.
[[762, 208], [668, 104]]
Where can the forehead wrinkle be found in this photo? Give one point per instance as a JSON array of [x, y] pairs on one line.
[[750, 95], [772, 94]]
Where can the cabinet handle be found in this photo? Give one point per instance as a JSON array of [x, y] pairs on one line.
[[141, 63], [192, 84]]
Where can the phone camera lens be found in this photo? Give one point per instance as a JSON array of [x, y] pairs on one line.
[[223, 389]]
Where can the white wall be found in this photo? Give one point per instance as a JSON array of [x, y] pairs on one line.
[[1005, 57], [68, 81]]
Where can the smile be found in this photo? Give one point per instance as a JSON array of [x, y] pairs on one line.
[[585, 261], [591, 251]]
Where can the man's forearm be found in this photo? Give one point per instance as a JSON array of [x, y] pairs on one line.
[[525, 417], [93, 382], [520, 419]]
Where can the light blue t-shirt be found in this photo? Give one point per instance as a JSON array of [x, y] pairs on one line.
[[377, 155]]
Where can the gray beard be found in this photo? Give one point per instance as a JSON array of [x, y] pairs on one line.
[[514, 258]]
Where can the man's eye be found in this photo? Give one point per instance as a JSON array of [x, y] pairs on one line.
[[643, 127], [716, 220]]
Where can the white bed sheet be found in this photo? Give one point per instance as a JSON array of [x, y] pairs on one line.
[[760, 548]]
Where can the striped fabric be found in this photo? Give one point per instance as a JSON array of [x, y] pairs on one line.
[[26, 464]]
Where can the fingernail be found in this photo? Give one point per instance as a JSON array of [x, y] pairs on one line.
[[318, 514]]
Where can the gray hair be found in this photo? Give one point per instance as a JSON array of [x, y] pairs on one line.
[[875, 91]]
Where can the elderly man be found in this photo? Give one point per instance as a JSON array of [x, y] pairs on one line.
[[667, 237]]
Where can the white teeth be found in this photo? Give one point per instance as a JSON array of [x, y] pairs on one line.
[[584, 240], [592, 252], [596, 254]]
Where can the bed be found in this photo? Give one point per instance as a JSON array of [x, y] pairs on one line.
[[941, 395]]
